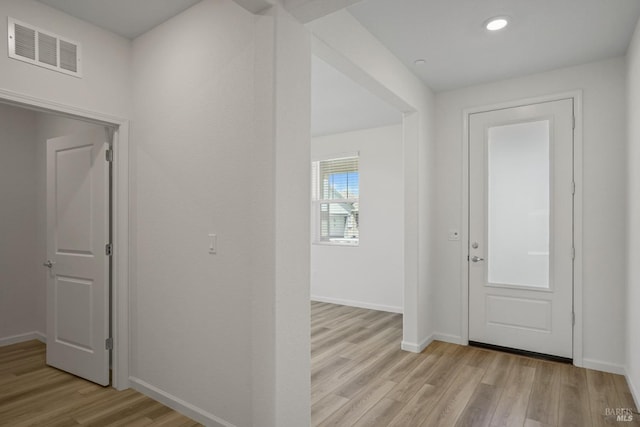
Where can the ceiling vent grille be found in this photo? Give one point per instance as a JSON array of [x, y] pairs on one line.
[[45, 49]]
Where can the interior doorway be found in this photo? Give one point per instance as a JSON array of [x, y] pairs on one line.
[[49, 121], [357, 220]]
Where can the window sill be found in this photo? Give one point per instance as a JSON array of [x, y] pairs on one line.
[[342, 244]]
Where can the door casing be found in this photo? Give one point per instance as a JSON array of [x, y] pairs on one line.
[[120, 263], [577, 214]]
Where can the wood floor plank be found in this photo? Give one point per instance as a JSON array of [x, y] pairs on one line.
[[455, 398], [533, 423], [325, 407], [368, 375], [481, 406], [498, 369], [380, 414], [415, 380], [358, 405], [545, 395], [573, 409], [512, 407], [418, 408]]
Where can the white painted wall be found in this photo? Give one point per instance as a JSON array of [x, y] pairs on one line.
[[193, 129], [345, 42], [18, 243], [369, 275], [221, 133], [105, 85], [604, 210], [209, 125], [632, 337]]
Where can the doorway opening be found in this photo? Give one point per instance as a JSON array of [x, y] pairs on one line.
[[523, 231], [38, 124]]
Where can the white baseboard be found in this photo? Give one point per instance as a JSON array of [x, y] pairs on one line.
[[603, 366], [177, 404], [416, 347], [453, 339], [28, 336], [359, 304]]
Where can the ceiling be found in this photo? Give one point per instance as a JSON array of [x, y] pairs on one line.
[[338, 104], [543, 35], [448, 34], [129, 18]]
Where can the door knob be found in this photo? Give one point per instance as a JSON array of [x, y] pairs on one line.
[[476, 258], [48, 264]]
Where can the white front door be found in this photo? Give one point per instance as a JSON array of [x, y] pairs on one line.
[[521, 228], [77, 234]]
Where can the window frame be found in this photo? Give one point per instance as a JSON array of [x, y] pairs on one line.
[[317, 202]]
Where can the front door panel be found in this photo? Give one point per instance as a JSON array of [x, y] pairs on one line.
[[521, 227]]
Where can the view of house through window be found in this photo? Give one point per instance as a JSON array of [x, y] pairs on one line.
[[336, 191]]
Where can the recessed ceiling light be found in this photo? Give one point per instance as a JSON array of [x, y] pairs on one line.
[[419, 62], [497, 23]]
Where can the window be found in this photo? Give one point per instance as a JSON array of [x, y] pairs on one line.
[[336, 190]]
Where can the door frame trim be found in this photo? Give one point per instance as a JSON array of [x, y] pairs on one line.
[[119, 213], [576, 95]]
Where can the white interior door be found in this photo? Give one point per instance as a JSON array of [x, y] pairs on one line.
[[77, 235], [521, 228]]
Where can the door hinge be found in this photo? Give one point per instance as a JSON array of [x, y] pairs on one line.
[[108, 344], [574, 123], [573, 318], [573, 253], [108, 249], [573, 187], [109, 155]]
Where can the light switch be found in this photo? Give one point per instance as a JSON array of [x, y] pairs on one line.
[[454, 235], [213, 244]]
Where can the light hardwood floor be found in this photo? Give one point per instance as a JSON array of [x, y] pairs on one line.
[[33, 394], [360, 377]]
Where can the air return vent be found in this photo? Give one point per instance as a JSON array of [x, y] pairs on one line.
[[30, 44]]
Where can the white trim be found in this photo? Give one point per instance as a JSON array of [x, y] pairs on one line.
[[416, 348], [576, 95], [359, 304], [177, 404], [335, 156], [598, 365], [633, 389], [578, 203], [453, 339], [121, 218], [27, 336]]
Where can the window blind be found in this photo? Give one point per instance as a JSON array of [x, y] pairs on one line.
[[336, 197]]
